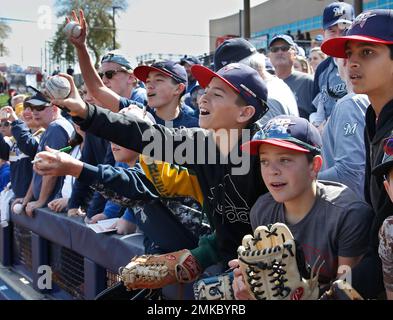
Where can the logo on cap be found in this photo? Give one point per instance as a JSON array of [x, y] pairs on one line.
[[278, 128], [362, 19]]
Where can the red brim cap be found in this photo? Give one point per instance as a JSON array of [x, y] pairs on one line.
[[204, 75], [252, 147], [142, 72], [336, 47]]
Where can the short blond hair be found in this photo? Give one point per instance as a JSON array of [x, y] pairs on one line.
[[19, 98]]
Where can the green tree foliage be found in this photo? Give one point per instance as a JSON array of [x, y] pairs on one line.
[[99, 19], [4, 33]]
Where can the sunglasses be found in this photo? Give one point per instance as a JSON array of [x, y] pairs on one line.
[[34, 107], [110, 73], [5, 124], [388, 146], [283, 48]]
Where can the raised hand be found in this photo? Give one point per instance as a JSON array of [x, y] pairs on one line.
[[8, 113], [74, 103], [80, 41]]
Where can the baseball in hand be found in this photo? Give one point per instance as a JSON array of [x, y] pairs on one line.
[[18, 208], [73, 29], [57, 87]]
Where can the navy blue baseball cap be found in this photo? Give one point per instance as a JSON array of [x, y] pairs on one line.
[[232, 50], [243, 79], [337, 12], [289, 132], [119, 58], [374, 26], [191, 60], [286, 38], [167, 67]]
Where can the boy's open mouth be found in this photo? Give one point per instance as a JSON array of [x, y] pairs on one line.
[[203, 112], [277, 184]]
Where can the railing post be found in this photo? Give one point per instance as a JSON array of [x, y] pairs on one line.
[[6, 244], [40, 263]]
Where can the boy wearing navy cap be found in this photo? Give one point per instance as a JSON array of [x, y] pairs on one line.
[[166, 83], [368, 48]]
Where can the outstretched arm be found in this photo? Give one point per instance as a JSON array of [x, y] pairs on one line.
[[159, 142], [128, 183]]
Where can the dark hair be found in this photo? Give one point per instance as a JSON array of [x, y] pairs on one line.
[[311, 155], [176, 83], [240, 102]]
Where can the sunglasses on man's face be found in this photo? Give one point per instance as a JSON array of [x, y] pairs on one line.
[[34, 107], [110, 73], [283, 48]]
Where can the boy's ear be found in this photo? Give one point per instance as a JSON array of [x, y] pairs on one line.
[[317, 165], [246, 113]]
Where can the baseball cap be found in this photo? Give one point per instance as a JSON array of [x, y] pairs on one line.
[[119, 58], [191, 60], [373, 26], [37, 99], [243, 79], [289, 132], [167, 67], [286, 38], [387, 160], [301, 52], [319, 37], [232, 50], [337, 12]]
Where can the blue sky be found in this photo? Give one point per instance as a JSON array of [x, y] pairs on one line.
[[148, 26]]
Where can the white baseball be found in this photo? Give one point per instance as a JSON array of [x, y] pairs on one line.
[[18, 208], [73, 29], [58, 87]]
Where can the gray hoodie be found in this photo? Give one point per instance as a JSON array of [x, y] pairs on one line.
[[343, 148]]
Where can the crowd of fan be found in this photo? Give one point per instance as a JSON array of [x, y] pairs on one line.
[[115, 180]]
